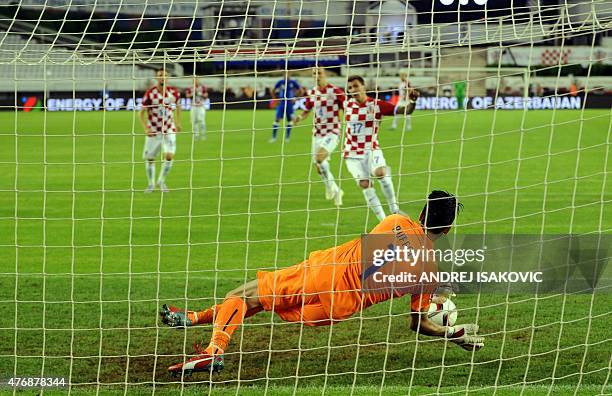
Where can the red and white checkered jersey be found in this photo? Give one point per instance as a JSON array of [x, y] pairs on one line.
[[362, 121], [160, 107], [327, 103], [197, 94]]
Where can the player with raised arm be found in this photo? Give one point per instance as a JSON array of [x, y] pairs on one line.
[[199, 104], [284, 93], [159, 104], [327, 288], [404, 100], [363, 156], [326, 100]]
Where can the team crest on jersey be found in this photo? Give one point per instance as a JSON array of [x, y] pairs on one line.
[[371, 106]]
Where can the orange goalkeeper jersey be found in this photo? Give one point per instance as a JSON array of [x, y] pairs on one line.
[[337, 272]]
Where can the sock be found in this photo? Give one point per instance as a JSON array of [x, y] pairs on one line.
[[164, 172], [389, 191], [374, 203], [327, 176], [207, 315], [274, 130], [150, 166], [203, 127], [408, 125], [229, 316], [288, 131], [394, 121]]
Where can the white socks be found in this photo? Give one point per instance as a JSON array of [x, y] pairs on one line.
[[408, 124], [387, 186], [164, 171], [327, 176], [150, 166], [374, 203]]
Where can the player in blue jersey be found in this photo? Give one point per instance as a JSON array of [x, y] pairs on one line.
[[284, 92]]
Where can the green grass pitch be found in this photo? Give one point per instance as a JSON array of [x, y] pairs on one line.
[[72, 208]]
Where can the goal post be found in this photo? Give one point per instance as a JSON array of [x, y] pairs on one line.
[[90, 253]]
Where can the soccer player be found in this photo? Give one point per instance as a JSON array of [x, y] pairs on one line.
[[460, 93], [404, 100], [327, 288], [199, 105], [363, 157], [326, 100], [284, 92], [157, 118]]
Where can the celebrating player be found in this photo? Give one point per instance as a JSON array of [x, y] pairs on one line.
[[404, 100], [326, 100], [284, 92], [364, 158], [199, 105], [159, 103], [327, 288]]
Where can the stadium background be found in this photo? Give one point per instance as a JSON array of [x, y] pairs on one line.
[[88, 259]]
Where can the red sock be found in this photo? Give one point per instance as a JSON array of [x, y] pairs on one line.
[[229, 316]]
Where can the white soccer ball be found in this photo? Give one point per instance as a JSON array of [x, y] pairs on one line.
[[443, 314]]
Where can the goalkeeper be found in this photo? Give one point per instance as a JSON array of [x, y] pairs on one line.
[[460, 87], [324, 289]]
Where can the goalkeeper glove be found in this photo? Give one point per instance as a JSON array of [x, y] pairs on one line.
[[465, 336]]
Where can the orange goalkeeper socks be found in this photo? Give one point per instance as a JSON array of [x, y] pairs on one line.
[[207, 315], [230, 315]]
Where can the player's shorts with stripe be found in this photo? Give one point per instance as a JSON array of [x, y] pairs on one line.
[[363, 168], [285, 109], [165, 143], [328, 142], [290, 292]]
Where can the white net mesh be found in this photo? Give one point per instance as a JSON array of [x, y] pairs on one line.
[[513, 117]]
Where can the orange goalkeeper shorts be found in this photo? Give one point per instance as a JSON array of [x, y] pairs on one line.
[[290, 293]]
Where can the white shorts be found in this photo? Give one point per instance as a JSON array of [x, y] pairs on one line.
[[363, 168], [328, 142], [153, 144], [197, 114], [403, 103]]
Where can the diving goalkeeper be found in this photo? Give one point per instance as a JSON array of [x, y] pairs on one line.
[[324, 289]]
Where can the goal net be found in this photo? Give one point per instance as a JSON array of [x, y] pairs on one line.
[[151, 155]]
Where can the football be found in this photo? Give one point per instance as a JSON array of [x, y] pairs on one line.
[[443, 314]]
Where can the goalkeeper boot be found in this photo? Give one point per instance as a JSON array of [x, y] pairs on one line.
[[202, 362], [177, 317]]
